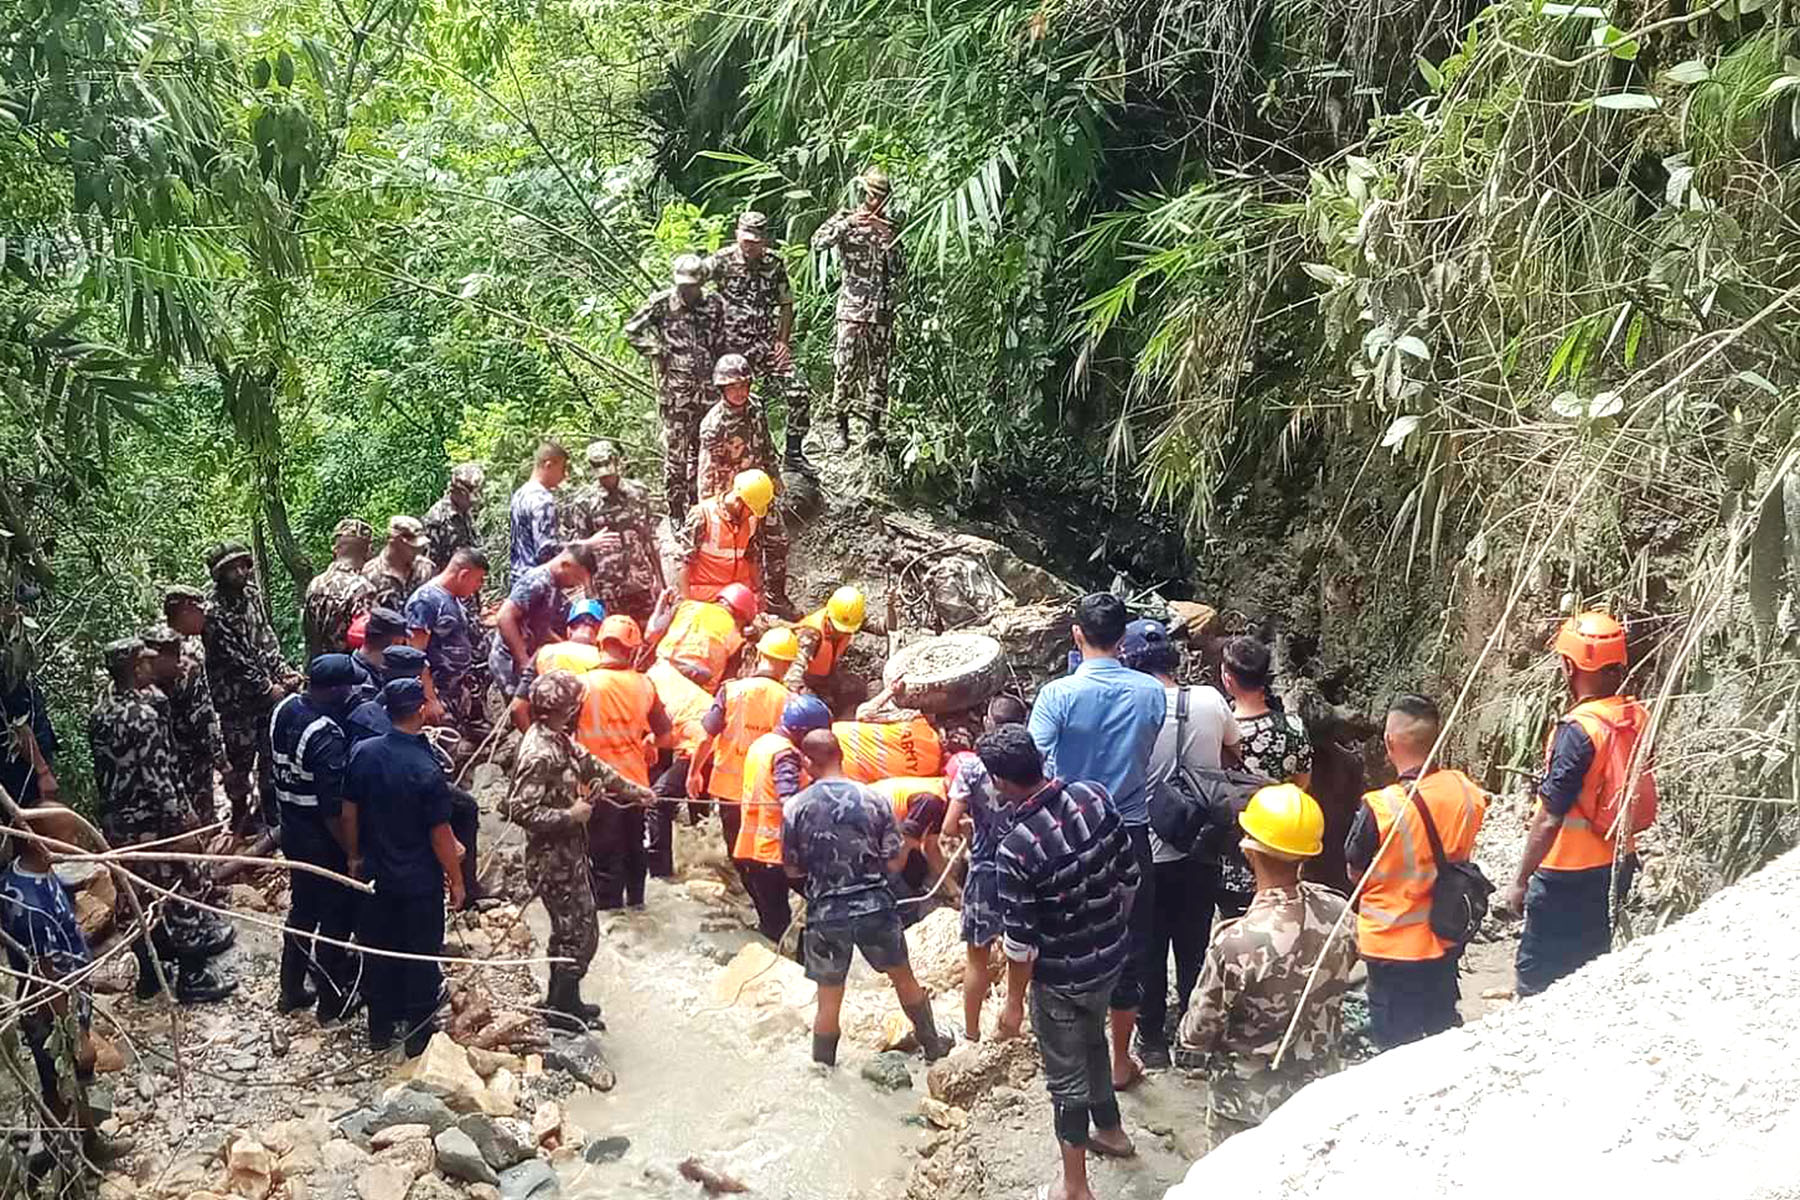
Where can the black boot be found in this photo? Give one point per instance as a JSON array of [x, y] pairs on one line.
[[202, 984], [934, 1044], [795, 459], [295, 994], [564, 997], [149, 984], [825, 1049], [843, 432]]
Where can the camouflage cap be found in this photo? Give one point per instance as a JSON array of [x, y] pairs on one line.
[[554, 692], [410, 530], [183, 594], [754, 224], [603, 454], [354, 529], [224, 554], [688, 268], [875, 182], [160, 636], [121, 654], [731, 368], [467, 477]]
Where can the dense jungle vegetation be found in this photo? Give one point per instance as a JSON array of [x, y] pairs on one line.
[[1412, 317]]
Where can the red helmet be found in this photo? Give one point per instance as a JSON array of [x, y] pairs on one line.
[[740, 600], [359, 630], [1591, 640]]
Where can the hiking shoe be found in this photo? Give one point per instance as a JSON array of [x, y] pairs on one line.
[[1154, 1056], [291, 1002], [203, 985]]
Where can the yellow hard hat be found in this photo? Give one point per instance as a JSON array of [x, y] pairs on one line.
[[779, 644], [846, 608], [755, 489], [1284, 821]]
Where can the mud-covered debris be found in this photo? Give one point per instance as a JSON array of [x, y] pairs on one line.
[[715, 1183]]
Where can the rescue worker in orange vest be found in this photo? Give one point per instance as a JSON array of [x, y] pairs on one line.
[[824, 637], [1413, 991], [888, 749], [687, 704], [703, 638], [774, 772], [920, 803], [721, 540], [579, 652], [621, 717], [1567, 883], [744, 710]]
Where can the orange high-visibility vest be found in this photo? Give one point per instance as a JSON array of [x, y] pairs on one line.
[[831, 645], [902, 790], [685, 701], [1393, 921], [759, 837], [578, 657], [615, 719], [876, 750], [721, 552], [1579, 845], [703, 635], [752, 709]]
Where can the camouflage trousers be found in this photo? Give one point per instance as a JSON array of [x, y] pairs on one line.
[[180, 925], [859, 371], [788, 383], [248, 754], [681, 455], [196, 776], [558, 870]]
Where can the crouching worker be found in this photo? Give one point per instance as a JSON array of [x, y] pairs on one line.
[[920, 804], [843, 840], [45, 944], [1256, 972]]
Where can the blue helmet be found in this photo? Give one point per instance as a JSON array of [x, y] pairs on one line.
[[588, 610], [802, 714]]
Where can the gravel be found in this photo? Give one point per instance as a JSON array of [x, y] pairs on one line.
[[1669, 1067]]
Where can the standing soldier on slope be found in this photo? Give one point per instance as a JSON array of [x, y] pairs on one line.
[[734, 438], [450, 521], [629, 571], [874, 263], [401, 568], [338, 594], [248, 677], [680, 330], [199, 748], [759, 323]]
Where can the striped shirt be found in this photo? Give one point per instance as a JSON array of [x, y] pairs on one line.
[[1067, 879]]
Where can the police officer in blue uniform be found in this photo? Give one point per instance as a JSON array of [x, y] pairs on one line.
[[311, 753]]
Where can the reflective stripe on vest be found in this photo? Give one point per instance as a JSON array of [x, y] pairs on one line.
[[876, 750], [576, 657], [759, 836], [685, 701], [615, 720], [831, 645], [721, 553], [1392, 918], [703, 635], [901, 790], [1578, 845], [294, 784], [752, 708]]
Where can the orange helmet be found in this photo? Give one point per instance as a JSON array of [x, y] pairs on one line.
[[623, 630], [1591, 640], [740, 600]]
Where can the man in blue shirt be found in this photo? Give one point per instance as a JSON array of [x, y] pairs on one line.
[[533, 510], [535, 614], [399, 800], [1099, 725], [439, 622]]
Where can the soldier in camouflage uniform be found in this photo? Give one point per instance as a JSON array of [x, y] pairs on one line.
[[1255, 973], [450, 522], [199, 748], [246, 675], [553, 776], [629, 574], [401, 567], [734, 437], [681, 331], [339, 594], [759, 324], [874, 263], [140, 801]]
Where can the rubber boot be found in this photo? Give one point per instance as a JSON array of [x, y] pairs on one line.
[[201, 984], [795, 459], [148, 983], [295, 994], [825, 1049], [564, 998], [934, 1044]]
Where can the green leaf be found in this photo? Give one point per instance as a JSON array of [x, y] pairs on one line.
[[1434, 78], [1760, 383], [1413, 347], [1627, 101], [284, 69], [1400, 430], [259, 74], [1634, 334], [1691, 71]]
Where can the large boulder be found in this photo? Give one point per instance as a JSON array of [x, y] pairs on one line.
[[460, 1158], [975, 1068], [444, 1071]]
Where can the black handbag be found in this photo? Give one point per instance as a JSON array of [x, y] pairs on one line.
[[1459, 894], [1198, 807]]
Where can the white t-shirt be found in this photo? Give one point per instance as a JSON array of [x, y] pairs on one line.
[[1210, 728]]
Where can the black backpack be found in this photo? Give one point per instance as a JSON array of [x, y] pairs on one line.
[[1197, 809], [1459, 894]]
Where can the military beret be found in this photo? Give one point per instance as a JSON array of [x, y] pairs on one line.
[[755, 224], [119, 654], [160, 636], [467, 477], [354, 528], [331, 670], [554, 692], [408, 529], [386, 621], [225, 553], [403, 662], [403, 697]]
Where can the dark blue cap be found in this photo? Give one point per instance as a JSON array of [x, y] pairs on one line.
[[1140, 636], [403, 697], [331, 670], [387, 621], [402, 662]]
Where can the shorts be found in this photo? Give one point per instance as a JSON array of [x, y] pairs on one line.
[[982, 922], [825, 948]]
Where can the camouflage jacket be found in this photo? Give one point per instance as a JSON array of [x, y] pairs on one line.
[[447, 530], [841, 835], [874, 264], [1255, 971], [392, 589], [754, 294], [685, 340], [624, 510], [243, 656], [551, 773], [334, 598], [134, 767], [192, 718], [733, 438]]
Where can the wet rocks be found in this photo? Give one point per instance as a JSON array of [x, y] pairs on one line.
[[532, 1179], [384, 1180], [503, 1143], [411, 1105], [581, 1057], [393, 1135], [606, 1149], [444, 1071], [888, 1071], [972, 1069], [460, 1158]]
